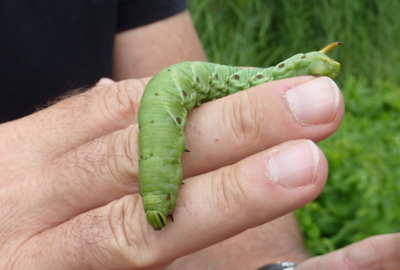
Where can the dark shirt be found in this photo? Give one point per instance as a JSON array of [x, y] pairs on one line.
[[52, 46]]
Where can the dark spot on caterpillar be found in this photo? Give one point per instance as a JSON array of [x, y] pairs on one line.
[[316, 75], [304, 56], [281, 65], [184, 93], [259, 76], [156, 94], [169, 70], [152, 122], [140, 127], [151, 154], [162, 222], [197, 79], [168, 198], [178, 120], [172, 218], [236, 77], [216, 76], [187, 150], [176, 161]]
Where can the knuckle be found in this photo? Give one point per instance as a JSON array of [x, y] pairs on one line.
[[245, 121], [122, 100], [98, 236], [124, 149], [111, 159], [127, 234], [229, 195], [92, 159]]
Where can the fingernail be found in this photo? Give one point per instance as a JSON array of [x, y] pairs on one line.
[[294, 166], [314, 102]]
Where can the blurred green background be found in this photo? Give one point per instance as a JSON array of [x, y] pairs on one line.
[[362, 196]]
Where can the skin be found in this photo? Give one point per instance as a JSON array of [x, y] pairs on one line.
[[132, 51], [278, 240], [51, 184], [133, 63], [161, 136], [69, 191], [167, 41]]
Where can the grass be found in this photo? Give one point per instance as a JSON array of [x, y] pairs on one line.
[[264, 32], [362, 196]]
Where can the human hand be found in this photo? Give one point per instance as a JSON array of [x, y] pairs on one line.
[[69, 190], [377, 252]]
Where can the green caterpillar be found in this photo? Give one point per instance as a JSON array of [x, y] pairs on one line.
[[169, 97]]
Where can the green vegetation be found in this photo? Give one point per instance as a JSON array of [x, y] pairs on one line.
[[362, 196]]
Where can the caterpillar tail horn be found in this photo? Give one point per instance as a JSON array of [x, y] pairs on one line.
[[330, 47]]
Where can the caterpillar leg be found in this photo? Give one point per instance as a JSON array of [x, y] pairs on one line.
[[172, 218]]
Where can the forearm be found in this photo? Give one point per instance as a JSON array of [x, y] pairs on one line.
[[143, 51]]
